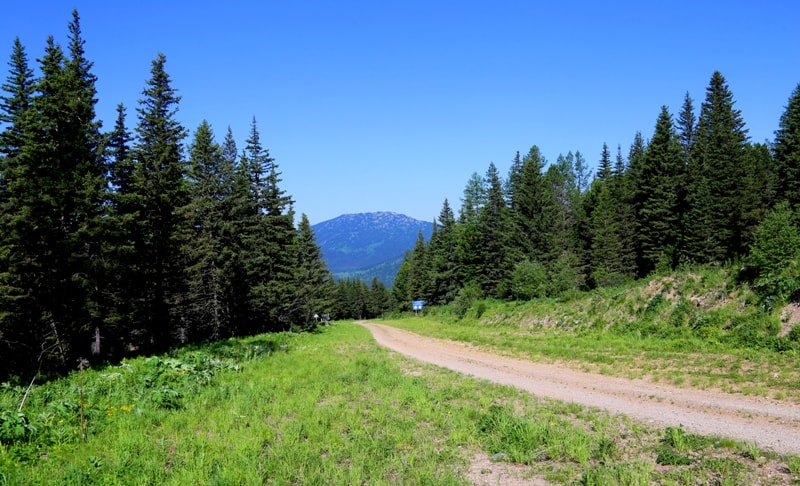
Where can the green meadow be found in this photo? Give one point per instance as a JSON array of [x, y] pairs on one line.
[[334, 408]]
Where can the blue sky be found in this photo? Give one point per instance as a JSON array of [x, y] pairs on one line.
[[393, 105]]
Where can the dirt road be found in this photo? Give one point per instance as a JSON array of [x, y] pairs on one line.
[[766, 422]]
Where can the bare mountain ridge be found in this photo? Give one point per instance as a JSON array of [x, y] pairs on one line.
[[367, 245]]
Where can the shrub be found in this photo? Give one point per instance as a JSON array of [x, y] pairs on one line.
[[465, 298], [774, 257], [15, 427], [528, 280]]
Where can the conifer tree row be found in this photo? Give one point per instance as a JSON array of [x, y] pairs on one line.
[[130, 242], [697, 192]]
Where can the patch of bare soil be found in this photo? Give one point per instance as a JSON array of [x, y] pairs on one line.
[[484, 471], [790, 317], [768, 423]]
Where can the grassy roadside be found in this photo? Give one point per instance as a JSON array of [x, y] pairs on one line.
[[334, 408], [680, 362], [694, 329]]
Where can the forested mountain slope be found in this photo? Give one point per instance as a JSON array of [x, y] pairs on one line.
[[367, 245]]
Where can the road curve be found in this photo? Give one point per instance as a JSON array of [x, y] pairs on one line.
[[766, 422]]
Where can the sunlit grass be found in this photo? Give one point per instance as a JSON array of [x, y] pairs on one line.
[[693, 329], [328, 408]]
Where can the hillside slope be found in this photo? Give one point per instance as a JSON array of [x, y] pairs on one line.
[[706, 304]]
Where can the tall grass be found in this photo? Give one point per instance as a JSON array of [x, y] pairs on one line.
[[328, 408]]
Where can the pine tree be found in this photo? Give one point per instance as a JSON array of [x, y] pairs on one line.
[[473, 200], [467, 238], [380, 299], [581, 171], [787, 153], [714, 228], [268, 236], [20, 86], [238, 212], [605, 243], [566, 266], [122, 229], [580, 204], [420, 284], [160, 191], [759, 189], [635, 167], [205, 310], [493, 230], [604, 167], [444, 258], [314, 283], [17, 344], [613, 252], [51, 215], [658, 182], [625, 214], [686, 125], [534, 211], [512, 182]]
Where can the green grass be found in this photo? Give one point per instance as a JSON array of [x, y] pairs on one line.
[[329, 408], [694, 329]]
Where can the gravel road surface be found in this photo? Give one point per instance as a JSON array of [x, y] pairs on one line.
[[769, 423]]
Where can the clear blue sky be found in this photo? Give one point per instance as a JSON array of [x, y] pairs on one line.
[[393, 105]]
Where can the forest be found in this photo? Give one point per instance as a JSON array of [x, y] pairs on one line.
[[135, 240], [697, 192]]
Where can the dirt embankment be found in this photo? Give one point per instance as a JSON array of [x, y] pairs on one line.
[[766, 422]]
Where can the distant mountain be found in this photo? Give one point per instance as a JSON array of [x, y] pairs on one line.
[[367, 245]]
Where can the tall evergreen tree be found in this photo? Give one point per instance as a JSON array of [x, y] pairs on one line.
[[444, 259], [239, 212], [534, 211], [512, 182], [160, 190], [207, 256], [625, 214], [468, 241], [420, 283], [493, 230], [268, 234], [759, 192], [604, 168], [658, 182], [686, 125], [787, 153], [122, 229], [613, 251], [566, 268], [715, 185], [581, 171], [473, 200], [19, 88], [620, 166], [314, 286], [18, 340], [51, 212]]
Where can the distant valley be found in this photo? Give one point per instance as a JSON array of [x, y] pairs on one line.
[[367, 245]]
